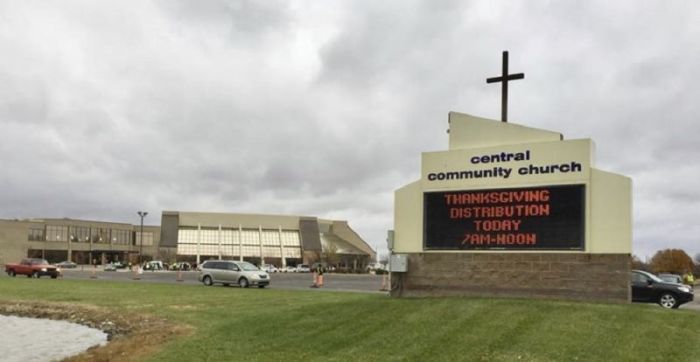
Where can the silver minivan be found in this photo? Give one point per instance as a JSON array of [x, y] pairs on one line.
[[228, 272]]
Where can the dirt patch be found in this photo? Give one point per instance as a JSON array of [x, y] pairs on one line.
[[132, 336]]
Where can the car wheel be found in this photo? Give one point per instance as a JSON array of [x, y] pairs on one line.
[[243, 283], [54, 276], [207, 281], [668, 300], [11, 273]]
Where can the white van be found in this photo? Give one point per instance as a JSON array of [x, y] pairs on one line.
[[229, 272]]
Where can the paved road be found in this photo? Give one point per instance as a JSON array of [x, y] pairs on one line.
[[332, 281], [695, 304]]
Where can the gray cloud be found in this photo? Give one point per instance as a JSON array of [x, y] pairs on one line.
[[324, 108]]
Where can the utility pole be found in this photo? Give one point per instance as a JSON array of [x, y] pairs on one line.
[[142, 214]]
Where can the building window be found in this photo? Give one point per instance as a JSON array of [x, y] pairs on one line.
[[206, 242], [208, 249], [99, 235], [292, 252], [121, 237], [228, 236], [37, 234], [249, 250], [270, 237], [250, 237], [187, 249], [187, 236], [209, 236], [271, 252], [291, 238], [79, 234], [229, 250], [56, 233], [147, 238]]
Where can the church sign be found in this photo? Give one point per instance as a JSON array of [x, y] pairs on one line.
[[510, 210], [541, 218], [542, 162]]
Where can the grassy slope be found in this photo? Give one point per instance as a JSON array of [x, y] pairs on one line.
[[236, 324]]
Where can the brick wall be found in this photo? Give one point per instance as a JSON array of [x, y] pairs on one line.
[[602, 277]]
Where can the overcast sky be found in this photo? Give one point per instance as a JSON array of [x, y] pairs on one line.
[[323, 108]]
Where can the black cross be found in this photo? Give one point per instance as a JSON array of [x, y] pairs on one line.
[[504, 87]]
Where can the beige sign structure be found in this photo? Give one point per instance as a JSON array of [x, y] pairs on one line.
[[514, 211]]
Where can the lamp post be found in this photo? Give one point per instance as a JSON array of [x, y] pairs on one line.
[[142, 214]]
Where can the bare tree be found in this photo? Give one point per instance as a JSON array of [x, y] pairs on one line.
[[330, 254], [167, 255], [638, 264]]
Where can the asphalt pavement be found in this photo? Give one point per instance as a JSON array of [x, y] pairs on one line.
[[332, 281], [695, 304]]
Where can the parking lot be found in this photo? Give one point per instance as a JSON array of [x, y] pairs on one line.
[[332, 281]]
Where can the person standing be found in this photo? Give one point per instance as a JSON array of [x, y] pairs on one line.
[[689, 279], [319, 275]]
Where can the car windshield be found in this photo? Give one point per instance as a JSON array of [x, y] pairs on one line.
[[652, 277], [39, 262], [247, 266]]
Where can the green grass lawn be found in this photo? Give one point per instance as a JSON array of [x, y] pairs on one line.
[[276, 325]]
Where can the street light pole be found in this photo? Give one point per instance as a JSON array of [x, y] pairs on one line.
[[142, 214]]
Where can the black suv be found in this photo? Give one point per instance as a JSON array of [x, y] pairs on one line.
[[648, 288]]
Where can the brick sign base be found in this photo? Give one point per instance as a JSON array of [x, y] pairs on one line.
[[598, 277]]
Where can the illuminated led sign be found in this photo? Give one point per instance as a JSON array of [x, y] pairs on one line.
[[542, 218]]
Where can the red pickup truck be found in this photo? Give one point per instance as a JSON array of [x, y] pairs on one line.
[[34, 268]]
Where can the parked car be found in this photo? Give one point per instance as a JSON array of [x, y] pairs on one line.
[[303, 268], [181, 265], [374, 266], [110, 267], [154, 265], [229, 272], [120, 264], [269, 268], [648, 288], [289, 269], [67, 265]]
